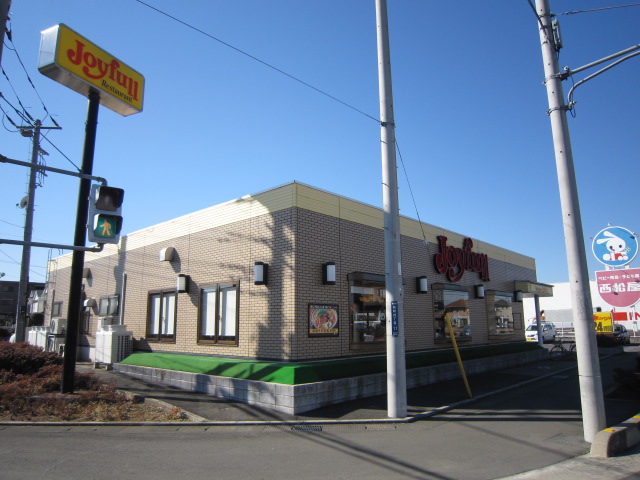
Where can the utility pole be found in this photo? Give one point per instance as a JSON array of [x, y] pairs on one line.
[[23, 286], [396, 365], [592, 398], [5, 5]]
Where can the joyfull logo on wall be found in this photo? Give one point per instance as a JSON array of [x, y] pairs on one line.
[[455, 261]]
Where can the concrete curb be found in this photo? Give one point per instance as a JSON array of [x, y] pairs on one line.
[[613, 441]]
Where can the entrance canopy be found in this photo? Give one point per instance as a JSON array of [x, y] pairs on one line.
[[530, 289]]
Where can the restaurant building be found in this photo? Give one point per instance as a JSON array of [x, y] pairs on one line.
[[293, 274]]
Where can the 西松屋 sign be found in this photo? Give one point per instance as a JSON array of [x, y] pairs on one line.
[[72, 60], [619, 288]]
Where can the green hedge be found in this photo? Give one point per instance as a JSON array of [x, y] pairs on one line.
[[295, 373]]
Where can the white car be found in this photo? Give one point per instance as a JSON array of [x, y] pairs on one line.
[[548, 332]]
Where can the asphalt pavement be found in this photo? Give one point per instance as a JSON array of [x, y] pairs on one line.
[[538, 394]]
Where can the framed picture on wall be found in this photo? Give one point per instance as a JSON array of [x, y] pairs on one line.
[[323, 320]]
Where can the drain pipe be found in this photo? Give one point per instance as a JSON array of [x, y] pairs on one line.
[[123, 296]]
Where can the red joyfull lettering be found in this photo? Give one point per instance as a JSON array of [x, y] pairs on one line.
[[454, 261], [96, 68]]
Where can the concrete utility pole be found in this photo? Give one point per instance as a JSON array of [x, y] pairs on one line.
[[396, 367], [5, 5], [592, 398], [23, 286]]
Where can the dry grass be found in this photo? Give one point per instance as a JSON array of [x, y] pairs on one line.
[[31, 394]]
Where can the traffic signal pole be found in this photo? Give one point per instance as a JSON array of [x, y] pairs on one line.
[[77, 264], [592, 398]]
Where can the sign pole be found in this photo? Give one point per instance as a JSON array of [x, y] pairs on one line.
[[77, 263]]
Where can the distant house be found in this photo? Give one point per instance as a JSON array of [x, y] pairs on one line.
[[9, 300]]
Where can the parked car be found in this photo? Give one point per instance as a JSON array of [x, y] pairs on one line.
[[619, 336], [548, 332]]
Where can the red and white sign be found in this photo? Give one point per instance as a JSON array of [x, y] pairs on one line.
[[620, 288]]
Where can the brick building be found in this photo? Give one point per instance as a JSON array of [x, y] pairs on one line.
[[299, 235], [9, 300]]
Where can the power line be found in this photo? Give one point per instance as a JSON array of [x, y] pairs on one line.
[[266, 64], [24, 114], [15, 50], [12, 224], [599, 9], [60, 151], [17, 262]]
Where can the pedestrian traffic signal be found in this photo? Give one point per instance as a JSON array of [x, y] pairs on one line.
[[105, 208]]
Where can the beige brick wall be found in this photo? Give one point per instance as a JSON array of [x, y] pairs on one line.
[[273, 318]]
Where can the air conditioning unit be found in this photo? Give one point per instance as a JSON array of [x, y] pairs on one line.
[[104, 322], [58, 326], [113, 344]]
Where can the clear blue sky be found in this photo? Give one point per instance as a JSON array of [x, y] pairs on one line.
[[470, 110]]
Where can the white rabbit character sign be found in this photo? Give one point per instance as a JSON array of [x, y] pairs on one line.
[[615, 246]]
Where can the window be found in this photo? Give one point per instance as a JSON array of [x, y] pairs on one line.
[[502, 321], [368, 310], [219, 314], [56, 309], [108, 305], [452, 305], [6, 288], [162, 317]]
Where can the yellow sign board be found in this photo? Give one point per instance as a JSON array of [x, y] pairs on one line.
[[72, 60], [603, 321]]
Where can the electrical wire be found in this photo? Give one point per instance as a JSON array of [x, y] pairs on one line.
[[12, 224], [17, 262], [60, 152], [535, 12], [5, 115], [18, 112], [266, 64], [413, 198], [573, 12], [15, 50], [24, 110]]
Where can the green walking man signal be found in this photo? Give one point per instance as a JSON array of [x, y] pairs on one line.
[[105, 209]]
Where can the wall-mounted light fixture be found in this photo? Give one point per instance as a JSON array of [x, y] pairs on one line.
[[422, 284], [182, 284], [479, 291], [519, 296], [166, 254], [261, 273], [86, 273], [329, 273], [90, 303]]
